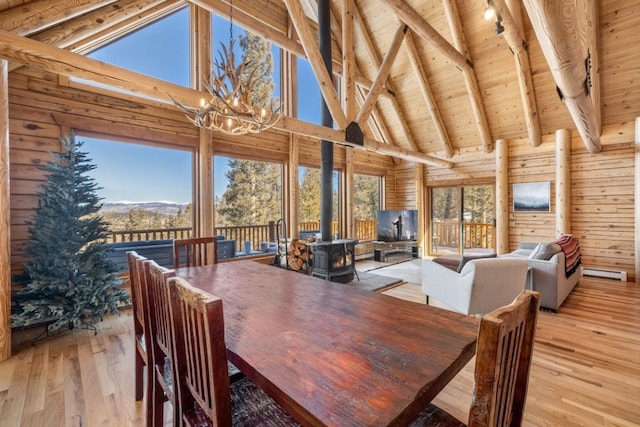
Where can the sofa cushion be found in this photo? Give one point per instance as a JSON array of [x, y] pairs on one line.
[[545, 251], [466, 258]]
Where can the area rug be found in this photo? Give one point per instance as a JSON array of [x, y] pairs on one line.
[[373, 282]]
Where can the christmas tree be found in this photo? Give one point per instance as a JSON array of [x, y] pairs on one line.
[[69, 280]]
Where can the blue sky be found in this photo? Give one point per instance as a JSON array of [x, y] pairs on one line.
[[140, 173]]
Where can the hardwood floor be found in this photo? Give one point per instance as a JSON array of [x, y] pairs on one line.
[[586, 368]]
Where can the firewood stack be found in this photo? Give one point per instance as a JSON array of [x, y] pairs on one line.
[[298, 255]]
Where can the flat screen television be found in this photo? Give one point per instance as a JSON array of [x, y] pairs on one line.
[[397, 225]]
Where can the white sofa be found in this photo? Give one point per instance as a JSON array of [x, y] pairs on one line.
[[480, 287], [547, 276]]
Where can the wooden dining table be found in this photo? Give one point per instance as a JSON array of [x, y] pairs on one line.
[[330, 353]]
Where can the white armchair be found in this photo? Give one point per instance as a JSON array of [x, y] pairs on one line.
[[482, 285]]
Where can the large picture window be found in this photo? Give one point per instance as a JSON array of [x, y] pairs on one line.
[[146, 190], [366, 203]]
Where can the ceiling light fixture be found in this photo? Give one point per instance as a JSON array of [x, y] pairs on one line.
[[489, 11], [233, 107]]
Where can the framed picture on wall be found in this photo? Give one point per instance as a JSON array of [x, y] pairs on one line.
[[531, 197]]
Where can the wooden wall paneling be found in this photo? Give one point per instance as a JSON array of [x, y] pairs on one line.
[[563, 182], [5, 215]]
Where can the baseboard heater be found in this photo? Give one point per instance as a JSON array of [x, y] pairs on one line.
[[602, 272]]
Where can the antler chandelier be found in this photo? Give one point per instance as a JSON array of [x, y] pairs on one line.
[[232, 107]]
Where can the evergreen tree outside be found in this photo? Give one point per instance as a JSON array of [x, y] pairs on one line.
[[68, 276], [366, 195], [254, 193], [309, 195], [257, 52]]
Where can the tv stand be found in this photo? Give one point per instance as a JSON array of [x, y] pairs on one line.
[[382, 250]]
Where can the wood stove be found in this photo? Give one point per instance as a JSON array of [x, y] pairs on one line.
[[334, 260]]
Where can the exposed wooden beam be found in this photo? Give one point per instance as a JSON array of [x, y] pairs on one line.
[[593, 20], [5, 214], [417, 23], [348, 60], [512, 22], [63, 62], [275, 32], [84, 26], [563, 182], [470, 78], [374, 59], [84, 33], [502, 197], [428, 95], [325, 81], [31, 17], [383, 74], [561, 28]]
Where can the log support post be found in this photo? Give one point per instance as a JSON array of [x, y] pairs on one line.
[[5, 209], [637, 200], [502, 197], [563, 182]]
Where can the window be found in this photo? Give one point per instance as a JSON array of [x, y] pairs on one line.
[[257, 48], [309, 199], [160, 49], [246, 192], [142, 187], [462, 219], [309, 95], [366, 203]]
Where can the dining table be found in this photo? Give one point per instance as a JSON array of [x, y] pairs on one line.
[[332, 354]]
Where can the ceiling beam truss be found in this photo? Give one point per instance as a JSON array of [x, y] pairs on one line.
[[561, 29]]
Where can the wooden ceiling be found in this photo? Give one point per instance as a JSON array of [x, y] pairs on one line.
[[427, 80]]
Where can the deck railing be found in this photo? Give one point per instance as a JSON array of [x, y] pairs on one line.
[[256, 234], [476, 235]]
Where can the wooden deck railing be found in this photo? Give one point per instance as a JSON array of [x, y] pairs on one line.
[[476, 235], [365, 230]]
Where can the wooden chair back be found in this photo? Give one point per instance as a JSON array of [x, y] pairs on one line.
[[503, 361], [160, 341], [195, 251], [140, 319], [201, 365]]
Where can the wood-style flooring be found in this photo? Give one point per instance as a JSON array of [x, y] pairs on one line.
[[586, 368]]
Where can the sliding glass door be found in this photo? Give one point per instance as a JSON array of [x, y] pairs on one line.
[[462, 220]]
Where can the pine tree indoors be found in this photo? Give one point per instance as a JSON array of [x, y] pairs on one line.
[[69, 279]]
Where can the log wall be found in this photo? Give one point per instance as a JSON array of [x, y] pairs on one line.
[[43, 107], [602, 193]]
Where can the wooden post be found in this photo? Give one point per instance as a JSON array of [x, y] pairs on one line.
[[502, 197], [5, 210], [563, 182], [350, 221], [421, 205], [637, 200], [292, 182]]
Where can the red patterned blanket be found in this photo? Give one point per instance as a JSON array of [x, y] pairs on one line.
[[572, 254]]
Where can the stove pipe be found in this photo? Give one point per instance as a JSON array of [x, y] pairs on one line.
[[326, 149]]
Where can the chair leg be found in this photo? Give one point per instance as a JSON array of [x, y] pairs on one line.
[[156, 405], [427, 299], [139, 376]]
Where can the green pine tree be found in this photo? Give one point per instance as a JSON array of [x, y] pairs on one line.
[[309, 198], [254, 193], [257, 53], [68, 275]]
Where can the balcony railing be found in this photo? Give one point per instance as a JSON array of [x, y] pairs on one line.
[[256, 234], [476, 235]]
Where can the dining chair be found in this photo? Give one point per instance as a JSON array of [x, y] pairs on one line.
[[140, 322], [161, 366], [207, 396], [503, 362], [195, 251]]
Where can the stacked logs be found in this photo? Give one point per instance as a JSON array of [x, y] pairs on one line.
[[298, 255]]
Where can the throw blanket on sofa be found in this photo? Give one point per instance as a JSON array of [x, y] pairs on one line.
[[572, 254]]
